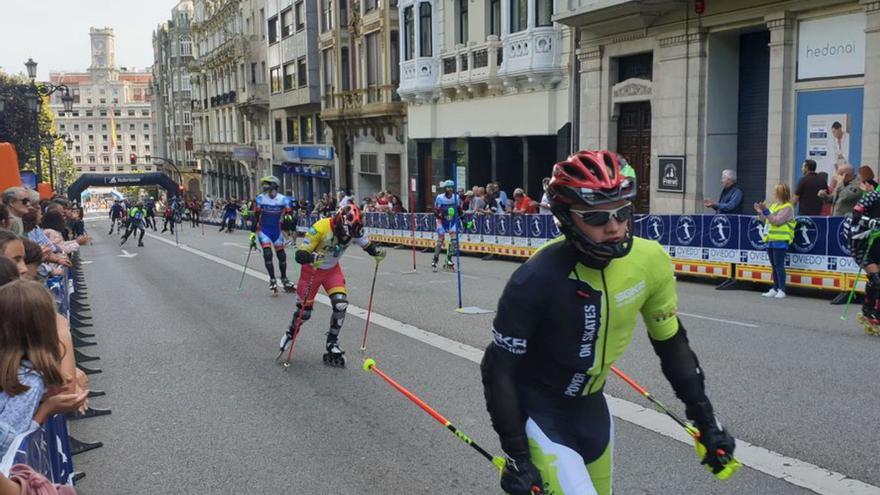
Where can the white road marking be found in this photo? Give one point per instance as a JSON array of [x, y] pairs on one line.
[[126, 254], [788, 469], [235, 244], [719, 320]]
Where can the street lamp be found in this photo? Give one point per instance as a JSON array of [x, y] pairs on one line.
[[33, 103]]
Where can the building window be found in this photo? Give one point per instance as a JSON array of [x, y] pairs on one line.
[[278, 137], [146, 137], [275, 77], [299, 9], [186, 46], [543, 12], [253, 73], [146, 127], [76, 128], [289, 77], [409, 35], [326, 15], [118, 158], [117, 113], [369, 5], [369, 163], [319, 130], [145, 113], [103, 113], [306, 131], [273, 29], [372, 42], [133, 147], [425, 49], [132, 137], [292, 129], [131, 113], [302, 74], [346, 73], [395, 57], [519, 15], [328, 71], [286, 23], [105, 159], [462, 33]]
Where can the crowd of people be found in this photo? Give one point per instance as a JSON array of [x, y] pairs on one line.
[[38, 373]]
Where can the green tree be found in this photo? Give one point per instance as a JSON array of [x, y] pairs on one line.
[[17, 123]]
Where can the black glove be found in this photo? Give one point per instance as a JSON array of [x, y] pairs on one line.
[[521, 477], [718, 443]]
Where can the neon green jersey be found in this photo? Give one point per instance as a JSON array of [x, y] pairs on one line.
[[571, 322]]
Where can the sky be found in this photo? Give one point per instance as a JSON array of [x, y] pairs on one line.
[[56, 33]]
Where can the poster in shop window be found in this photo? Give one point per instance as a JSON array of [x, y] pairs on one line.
[[828, 140]]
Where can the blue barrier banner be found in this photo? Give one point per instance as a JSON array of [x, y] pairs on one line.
[[686, 237], [656, 228], [469, 228], [519, 226], [487, 229], [809, 250], [752, 248], [537, 229], [427, 225], [46, 449], [503, 230], [721, 238], [839, 257]]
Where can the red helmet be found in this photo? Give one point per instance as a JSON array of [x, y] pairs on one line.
[[590, 178], [348, 222]]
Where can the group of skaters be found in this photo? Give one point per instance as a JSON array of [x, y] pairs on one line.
[[544, 371]]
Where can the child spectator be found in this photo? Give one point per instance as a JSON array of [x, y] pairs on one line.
[[33, 259], [12, 247], [31, 380]]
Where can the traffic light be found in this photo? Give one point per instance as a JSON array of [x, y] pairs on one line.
[[132, 158]]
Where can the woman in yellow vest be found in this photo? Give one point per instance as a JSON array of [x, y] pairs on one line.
[[779, 224]]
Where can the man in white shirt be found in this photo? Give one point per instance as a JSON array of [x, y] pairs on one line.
[[839, 143]]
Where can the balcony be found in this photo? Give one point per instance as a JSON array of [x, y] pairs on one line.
[[223, 99], [533, 55], [612, 16], [372, 102], [254, 94], [418, 78], [472, 67]]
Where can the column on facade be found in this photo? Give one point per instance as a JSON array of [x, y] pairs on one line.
[[871, 110], [780, 106], [590, 58], [677, 107]]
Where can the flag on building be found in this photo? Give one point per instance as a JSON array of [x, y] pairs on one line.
[[112, 131]]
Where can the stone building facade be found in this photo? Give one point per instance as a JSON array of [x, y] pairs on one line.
[[687, 89], [110, 124]]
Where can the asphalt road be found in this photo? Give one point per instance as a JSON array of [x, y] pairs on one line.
[[200, 406]]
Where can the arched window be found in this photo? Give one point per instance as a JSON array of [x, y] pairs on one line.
[[185, 46], [425, 48]]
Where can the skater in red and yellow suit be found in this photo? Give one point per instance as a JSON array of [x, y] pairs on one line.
[[324, 244]]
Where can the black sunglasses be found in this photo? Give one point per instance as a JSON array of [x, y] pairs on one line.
[[601, 217], [25, 201]]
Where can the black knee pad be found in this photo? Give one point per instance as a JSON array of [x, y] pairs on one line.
[[305, 313], [282, 256], [339, 303], [267, 255]]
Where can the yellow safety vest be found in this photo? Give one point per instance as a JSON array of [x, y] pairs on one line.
[[784, 232]]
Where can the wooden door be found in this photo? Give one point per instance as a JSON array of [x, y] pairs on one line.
[[634, 143]]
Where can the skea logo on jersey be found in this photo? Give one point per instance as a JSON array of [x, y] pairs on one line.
[[512, 345], [627, 296]]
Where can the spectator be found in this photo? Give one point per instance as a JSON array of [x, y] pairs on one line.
[[626, 169], [731, 198], [545, 200], [866, 176], [491, 198], [23, 480], [478, 205], [12, 247], [382, 202], [32, 381], [826, 207], [17, 200], [8, 272], [5, 221], [53, 226], [806, 194], [345, 198], [33, 259], [779, 223], [502, 197], [396, 205], [846, 192], [467, 201], [522, 203]]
